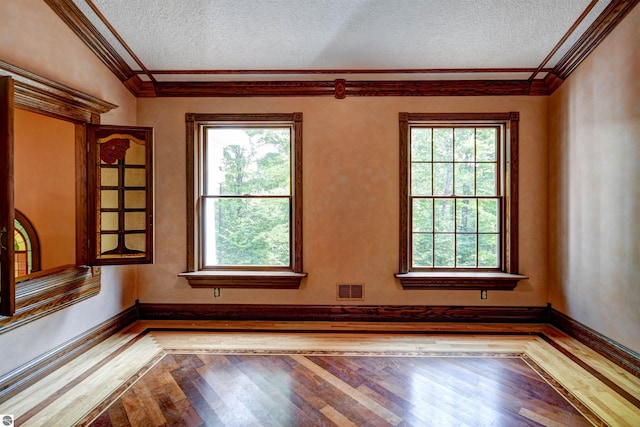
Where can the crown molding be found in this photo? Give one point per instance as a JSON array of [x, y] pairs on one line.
[[41, 95], [340, 88], [610, 17], [87, 32]]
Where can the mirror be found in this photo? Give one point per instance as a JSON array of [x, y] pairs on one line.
[[44, 184]]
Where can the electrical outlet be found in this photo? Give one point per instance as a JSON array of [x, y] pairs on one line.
[[483, 294]]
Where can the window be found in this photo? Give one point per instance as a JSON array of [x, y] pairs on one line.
[[26, 246], [245, 200], [120, 194], [458, 201]]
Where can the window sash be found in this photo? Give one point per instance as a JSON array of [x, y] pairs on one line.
[[448, 161], [209, 226]]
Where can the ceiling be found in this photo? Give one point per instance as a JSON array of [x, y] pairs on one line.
[[321, 40]]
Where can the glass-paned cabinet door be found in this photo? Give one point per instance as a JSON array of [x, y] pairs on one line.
[[120, 178]]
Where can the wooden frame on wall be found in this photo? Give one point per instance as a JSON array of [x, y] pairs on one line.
[[49, 291]]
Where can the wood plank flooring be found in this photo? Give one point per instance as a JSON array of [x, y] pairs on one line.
[[323, 373], [312, 390]]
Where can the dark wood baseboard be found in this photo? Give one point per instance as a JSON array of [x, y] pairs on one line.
[[616, 352], [31, 372], [350, 313]]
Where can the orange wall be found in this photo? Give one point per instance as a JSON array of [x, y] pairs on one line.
[[350, 158], [595, 186], [34, 38], [44, 155]]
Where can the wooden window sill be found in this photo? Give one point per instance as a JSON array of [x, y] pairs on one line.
[[244, 279], [460, 280], [46, 292]]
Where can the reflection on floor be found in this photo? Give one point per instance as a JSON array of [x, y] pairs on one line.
[[324, 373]]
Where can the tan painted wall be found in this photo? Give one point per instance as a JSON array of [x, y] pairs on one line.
[[44, 155], [33, 37], [595, 187], [350, 198]]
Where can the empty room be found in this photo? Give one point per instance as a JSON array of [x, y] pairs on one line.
[[319, 212]]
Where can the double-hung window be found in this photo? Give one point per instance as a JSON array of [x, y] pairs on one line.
[[458, 201], [245, 200]]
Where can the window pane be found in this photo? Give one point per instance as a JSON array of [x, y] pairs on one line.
[[248, 161], [444, 250], [135, 199], [486, 179], [136, 242], [108, 242], [423, 215], [108, 177], [421, 179], [488, 217], [136, 154], [135, 220], [109, 221], [466, 214], [443, 145], [109, 199], [466, 250], [135, 177], [422, 250], [465, 179], [486, 144], [443, 179], [444, 215], [464, 139], [488, 250], [246, 232], [421, 144]]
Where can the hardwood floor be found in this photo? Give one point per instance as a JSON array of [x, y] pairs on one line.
[[323, 373]]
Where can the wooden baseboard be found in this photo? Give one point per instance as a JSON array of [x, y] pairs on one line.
[[350, 313], [29, 373], [616, 352]]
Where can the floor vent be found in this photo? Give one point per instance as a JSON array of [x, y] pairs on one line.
[[350, 291]]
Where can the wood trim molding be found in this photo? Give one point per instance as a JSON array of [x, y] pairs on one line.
[[33, 371], [244, 279], [41, 95], [351, 313], [87, 32], [489, 281], [617, 353], [340, 88], [45, 292], [613, 14]]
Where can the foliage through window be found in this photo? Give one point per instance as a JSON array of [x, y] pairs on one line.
[[245, 203], [455, 197], [246, 197], [458, 193]]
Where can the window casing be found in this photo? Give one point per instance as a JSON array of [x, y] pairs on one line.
[[458, 204], [245, 200]]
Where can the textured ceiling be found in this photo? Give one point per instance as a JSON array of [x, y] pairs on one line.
[[354, 35]]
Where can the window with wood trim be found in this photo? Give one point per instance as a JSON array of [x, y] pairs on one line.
[[120, 195], [245, 200], [458, 201]]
